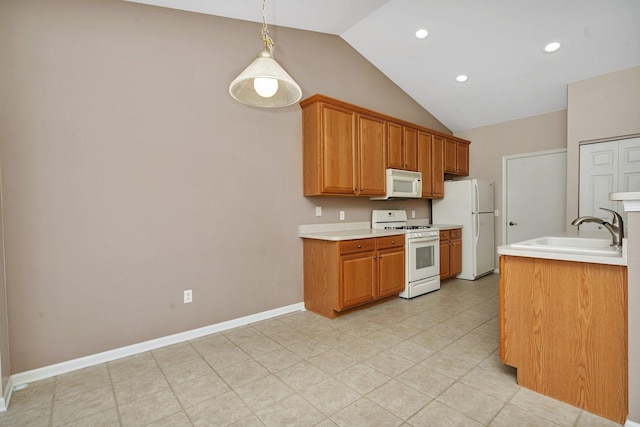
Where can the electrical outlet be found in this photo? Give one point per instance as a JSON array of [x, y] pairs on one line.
[[318, 210], [413, 214], [496, 213], [188, 296], [341, 215]]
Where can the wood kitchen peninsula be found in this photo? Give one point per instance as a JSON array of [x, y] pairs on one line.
[[347, 149], [563, 326]]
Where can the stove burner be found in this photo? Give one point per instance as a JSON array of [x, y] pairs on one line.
[[409, 227]]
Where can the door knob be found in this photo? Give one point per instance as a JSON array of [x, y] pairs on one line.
[[513, 223]]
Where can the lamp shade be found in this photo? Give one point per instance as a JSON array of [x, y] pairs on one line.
[[243, 88]]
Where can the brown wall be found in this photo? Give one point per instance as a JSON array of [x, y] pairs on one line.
[[129, 174], [491, 143]]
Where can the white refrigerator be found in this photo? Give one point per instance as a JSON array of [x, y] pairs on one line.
[[470, 203]]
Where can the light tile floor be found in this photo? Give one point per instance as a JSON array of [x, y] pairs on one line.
[[430, 361]]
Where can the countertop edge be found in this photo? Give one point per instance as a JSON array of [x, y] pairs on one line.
[[562, 256]]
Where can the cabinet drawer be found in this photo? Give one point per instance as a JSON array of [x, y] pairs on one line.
[[456, 233], [390, 242], [444, 234], [361, 245]]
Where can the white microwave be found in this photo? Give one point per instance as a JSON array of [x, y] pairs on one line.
[[402, 185]]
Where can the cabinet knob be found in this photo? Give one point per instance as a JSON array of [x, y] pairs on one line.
[[361, 188], [393, 242], [359, 246], [380, 257], [375, 257]]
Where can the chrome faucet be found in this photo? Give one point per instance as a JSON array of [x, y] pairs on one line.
[[615, 228]]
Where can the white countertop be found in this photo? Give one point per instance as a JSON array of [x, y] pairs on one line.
[[620, 259], [355, 230]]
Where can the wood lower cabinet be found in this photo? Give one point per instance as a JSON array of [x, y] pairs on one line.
[[450, 253], [563, 325], [431, 164], [456, 157], [346, 274]]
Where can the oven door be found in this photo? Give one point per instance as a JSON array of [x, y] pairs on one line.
[[423, 258]]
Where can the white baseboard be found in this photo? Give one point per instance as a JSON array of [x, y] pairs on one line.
[[496, 270], [118, 353], [630, 423]]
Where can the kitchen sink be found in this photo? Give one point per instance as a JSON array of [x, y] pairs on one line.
[[579, 245]]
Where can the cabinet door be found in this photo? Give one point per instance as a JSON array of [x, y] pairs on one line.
[[338, 146], [450, 156], [395, 155], [462, 159], [455, 254], [444, 259], [391, 279], [437, 168], [357, 279], [425, 163], [410, 142], [371, 154]]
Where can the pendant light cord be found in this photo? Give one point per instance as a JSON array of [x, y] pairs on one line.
[[264, 34]]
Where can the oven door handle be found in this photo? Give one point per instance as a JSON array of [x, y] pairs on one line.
[[424, 239]]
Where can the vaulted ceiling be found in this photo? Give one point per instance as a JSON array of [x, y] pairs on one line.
[[498, 44]]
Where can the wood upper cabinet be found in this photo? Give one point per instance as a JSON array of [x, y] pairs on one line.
[[402, 143], [431, 164], [347, 149], [344, 153], [342, 275], [456, 157], [329, 150], [372, 150]]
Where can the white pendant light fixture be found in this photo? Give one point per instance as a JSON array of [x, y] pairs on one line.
[[264, 83]]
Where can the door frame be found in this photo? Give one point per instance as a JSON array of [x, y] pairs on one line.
[[505, 159]]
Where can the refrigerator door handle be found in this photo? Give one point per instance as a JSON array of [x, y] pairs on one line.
[[476, 201], [477, 224]]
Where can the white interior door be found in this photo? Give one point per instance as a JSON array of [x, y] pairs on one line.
[[598, 178], [607, 167], [534, 195]]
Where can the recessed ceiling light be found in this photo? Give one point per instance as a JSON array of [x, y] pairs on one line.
[[422, 33], [552, 47], [462, 78]]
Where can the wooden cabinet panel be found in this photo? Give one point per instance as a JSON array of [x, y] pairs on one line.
[[450, 153], [372, 156], [431, 164], [337, 150], [462, 158], [455, 257], [357, 281], [395, 155], [410, 139], [563, 325], [360, 245], [456, 155], [391, 272], [445, 272], [450, 253], [437, 156], [402, 143]]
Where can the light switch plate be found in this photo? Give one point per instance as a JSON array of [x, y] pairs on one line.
[[341, 215], [318, 210]]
